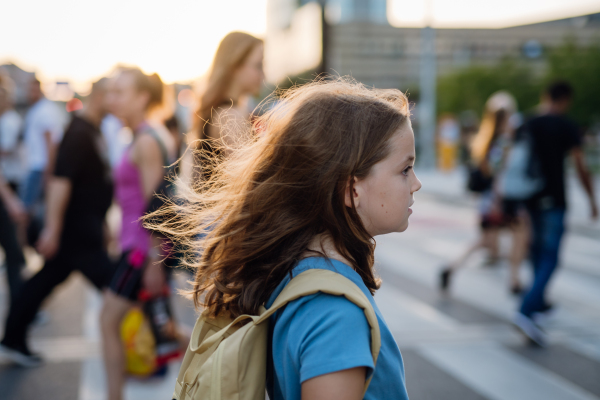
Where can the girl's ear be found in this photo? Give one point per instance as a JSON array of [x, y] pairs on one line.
[[348, 196]]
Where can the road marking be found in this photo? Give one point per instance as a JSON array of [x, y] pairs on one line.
[[499, 374]]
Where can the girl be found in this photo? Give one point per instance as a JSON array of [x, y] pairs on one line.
[[331, 169], [488, 152], [236, 74], [138, 175]]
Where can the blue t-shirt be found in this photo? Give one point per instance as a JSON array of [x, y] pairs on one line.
[[321, 333]]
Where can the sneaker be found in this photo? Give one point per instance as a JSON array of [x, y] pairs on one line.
[[41, 318], [530, 329], [546, 314], [445, 279], [516, 289], [21, 356]]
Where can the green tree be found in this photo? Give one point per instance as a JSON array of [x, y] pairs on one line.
[[469, 88], [580, 66]]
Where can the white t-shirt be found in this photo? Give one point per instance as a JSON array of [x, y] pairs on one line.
[[44, 116], [11, 160]]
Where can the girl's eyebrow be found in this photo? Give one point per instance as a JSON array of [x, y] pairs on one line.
[[410, 158]]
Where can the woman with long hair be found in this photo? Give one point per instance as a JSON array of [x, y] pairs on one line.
[[488, 151], [133, 97], [331, 169], [236, 75]]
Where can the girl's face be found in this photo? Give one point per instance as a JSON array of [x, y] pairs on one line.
[[384, 197], [124, 99], [250, 75]]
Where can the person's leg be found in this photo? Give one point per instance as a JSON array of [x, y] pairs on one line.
[[491, 238], [549, 238], [95, 265], [13, 253], [31, 190], [28, 301], [520, 245], [114, 310]]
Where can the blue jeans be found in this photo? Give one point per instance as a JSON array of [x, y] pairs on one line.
[[31, 189], [547, 230]]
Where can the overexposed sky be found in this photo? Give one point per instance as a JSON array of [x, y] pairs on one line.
[[485, 13], [80, 40]]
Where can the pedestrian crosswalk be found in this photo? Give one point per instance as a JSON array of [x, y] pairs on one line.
[[456, 346]]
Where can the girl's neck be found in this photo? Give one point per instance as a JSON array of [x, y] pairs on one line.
[[322, 243], [135, 121]]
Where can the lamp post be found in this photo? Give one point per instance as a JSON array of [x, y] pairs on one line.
[[427, 88]]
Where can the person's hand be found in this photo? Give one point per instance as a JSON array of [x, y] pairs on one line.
[[16, 209], [48, 243], [594, 212], [153, 279]]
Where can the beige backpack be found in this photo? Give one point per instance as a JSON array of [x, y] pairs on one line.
[[227, 362]]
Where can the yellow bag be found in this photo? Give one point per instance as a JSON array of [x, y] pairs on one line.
[[139, 344], [227, 362]]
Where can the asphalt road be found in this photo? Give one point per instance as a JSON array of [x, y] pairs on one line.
[[456, 346]]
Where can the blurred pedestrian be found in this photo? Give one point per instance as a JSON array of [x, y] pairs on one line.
[[333, 169], [12, 213], [488, 152], [43, 132], [235, 75], [141, 171], [11, 124], [554, 137], [78, 197]]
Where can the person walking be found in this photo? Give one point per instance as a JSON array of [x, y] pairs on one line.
[[139, 174], [11, 124], [554, 137], [488, 152], [332, 169], [78, 197], [43, 133], [12, 213], [236, 75]]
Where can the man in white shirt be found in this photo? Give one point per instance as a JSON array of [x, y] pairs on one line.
[[11, 157], [43, 132]]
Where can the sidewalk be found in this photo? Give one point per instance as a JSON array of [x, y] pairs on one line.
[[451, 187]]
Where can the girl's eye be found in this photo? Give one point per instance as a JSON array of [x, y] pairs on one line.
[[406, 171]]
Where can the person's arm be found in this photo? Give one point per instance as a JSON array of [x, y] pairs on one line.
[[348, 384], [57, 200], [52, 149], [585, 178], [11, 202]]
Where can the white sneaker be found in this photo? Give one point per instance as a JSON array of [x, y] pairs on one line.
[[41, 318], [21, 358], [530, 329]]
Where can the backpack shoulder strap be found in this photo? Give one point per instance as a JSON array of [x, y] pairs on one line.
[[325, 281], [163, 149]]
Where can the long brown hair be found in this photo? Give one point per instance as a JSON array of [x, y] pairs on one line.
[[248, 227], [499, 107], [231, 54]]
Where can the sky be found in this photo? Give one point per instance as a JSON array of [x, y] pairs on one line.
[[81, 40]]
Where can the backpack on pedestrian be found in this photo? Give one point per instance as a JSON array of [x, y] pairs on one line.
[[522, 177], [226, 360]]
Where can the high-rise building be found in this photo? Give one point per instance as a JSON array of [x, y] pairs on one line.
[[360, 42]]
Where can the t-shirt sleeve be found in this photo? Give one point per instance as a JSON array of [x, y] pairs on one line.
[[328, 334], [71, 155], [574, 138]]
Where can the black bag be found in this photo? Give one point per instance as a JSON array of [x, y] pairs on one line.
[[478, 182]]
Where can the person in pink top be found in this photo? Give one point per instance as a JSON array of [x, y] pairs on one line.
[[137, 177]]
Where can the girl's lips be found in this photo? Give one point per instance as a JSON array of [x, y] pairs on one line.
[[410, 210]]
